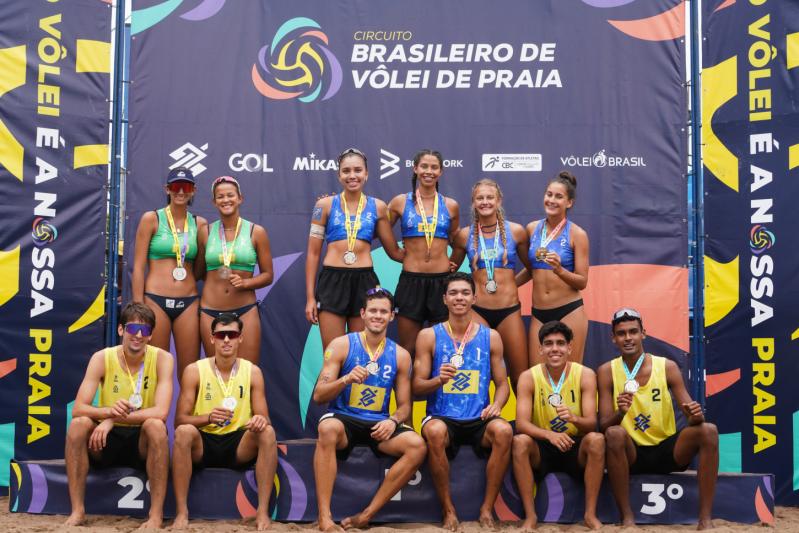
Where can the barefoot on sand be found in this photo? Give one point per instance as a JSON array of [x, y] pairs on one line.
[[355, 521]]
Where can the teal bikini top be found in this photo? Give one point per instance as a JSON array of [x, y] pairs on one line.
[[244, 256], [162, 244]]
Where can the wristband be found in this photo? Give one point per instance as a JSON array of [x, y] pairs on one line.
[[394, 420]]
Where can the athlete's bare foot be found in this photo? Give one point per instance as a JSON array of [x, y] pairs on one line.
[[486, 519], [592, 522], [153, 523], [358, 521], [450, 521], [628, 521], [327, 524], [262, 521], [705, 524], [181, 521], [530, 523], [77, 518]]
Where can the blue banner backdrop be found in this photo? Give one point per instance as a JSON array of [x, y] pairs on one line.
[[750, 112], [271, 91], [54, 79]]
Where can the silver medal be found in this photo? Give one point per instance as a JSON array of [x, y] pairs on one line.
[[224, 272], [136, 400], [491, 286], [456, 360], [631, 386], [229, 403], [555, 399], [372, 367], [350, 257], [179, 273]]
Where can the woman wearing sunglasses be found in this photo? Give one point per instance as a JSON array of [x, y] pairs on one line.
[[233, 247], [428, 222], [347, 222], [163, 276]]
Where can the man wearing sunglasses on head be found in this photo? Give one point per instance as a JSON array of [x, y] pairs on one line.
[[222, 420], [637, 416], [358, 374], [127, 427]]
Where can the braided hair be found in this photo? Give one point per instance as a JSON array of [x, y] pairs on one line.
[[500, 222], [416, 159]]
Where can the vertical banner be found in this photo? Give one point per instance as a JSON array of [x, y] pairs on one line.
[[54, 76], [751, 153], [272, 91]]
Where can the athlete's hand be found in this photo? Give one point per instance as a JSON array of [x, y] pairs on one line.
[[565, 414], [220, 415], [561, 441], [257, 423], [121, 409], [446, 372], [553, 260], [98, 437], [383, 430], [491, 411], [624, 401], [452, 266], [310, 311], [693, 412], [237, 281], [357, 375]]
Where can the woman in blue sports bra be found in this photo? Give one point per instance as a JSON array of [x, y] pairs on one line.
[[233, 247], [494, 246], [428, 223], [559, 258], [347, 222], [163, 268]]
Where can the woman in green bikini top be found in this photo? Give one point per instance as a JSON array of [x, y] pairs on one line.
[[163, 268], [233, 247]]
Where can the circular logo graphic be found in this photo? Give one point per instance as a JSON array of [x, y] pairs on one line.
[[298, 64], [599, 159], [761, 239], [43, 232]]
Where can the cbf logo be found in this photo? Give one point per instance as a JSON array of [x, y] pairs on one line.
[[367, 397], [642, 422], [298, 64], [558, 425]]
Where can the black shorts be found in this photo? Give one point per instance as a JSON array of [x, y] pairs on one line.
[[420, 297], [554, 460], [341, 291], [121, 449], [468, 432], [219, 451], [657, 459], [359, 432]]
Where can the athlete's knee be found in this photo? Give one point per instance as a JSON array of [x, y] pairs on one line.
[[80, 426], [503, 433], [329, 431], [595, 444], [415, 447], [184, 434], [615, 438], [522, 444], [435, 433], [267, 437], [154, 429], [709, 435]]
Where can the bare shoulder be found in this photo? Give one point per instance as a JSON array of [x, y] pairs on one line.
[[578, 231], [518, 231]]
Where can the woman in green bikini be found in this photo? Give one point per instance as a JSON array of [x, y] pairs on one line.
[[233, 246], [163, 275]]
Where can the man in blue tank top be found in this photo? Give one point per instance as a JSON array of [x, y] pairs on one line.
[[358, 374], [454, 365]]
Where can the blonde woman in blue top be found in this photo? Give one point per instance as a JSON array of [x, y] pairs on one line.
[[428, 223], [163, 268], [233, 246], [347, 222]]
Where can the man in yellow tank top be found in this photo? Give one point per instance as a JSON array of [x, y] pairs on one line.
[[128, 425], [555, 422], [637, 416], [222, 420]]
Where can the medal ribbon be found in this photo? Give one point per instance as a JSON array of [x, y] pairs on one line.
[[352, 226], [429, 228], [225, 387], [459, 347], [228, 256], [180, 249], [556, 388], [489, 263], [546, 239], [373, 356], [135, 386], [636, 368]]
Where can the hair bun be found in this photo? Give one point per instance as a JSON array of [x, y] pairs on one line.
[[568, 176]]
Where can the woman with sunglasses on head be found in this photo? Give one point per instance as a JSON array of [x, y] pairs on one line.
[[494, 246], [163, 268], [559, 257], [233, 247], [347, 222], [428, 222]]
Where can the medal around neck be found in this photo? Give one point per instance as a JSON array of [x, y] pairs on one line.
[[224, 272], [179, 273], [372, 367], [555, 399], [456, 360], [136, 400], [631, 386], [229, 403], [541, 253], [350, 257], [491, 286]]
